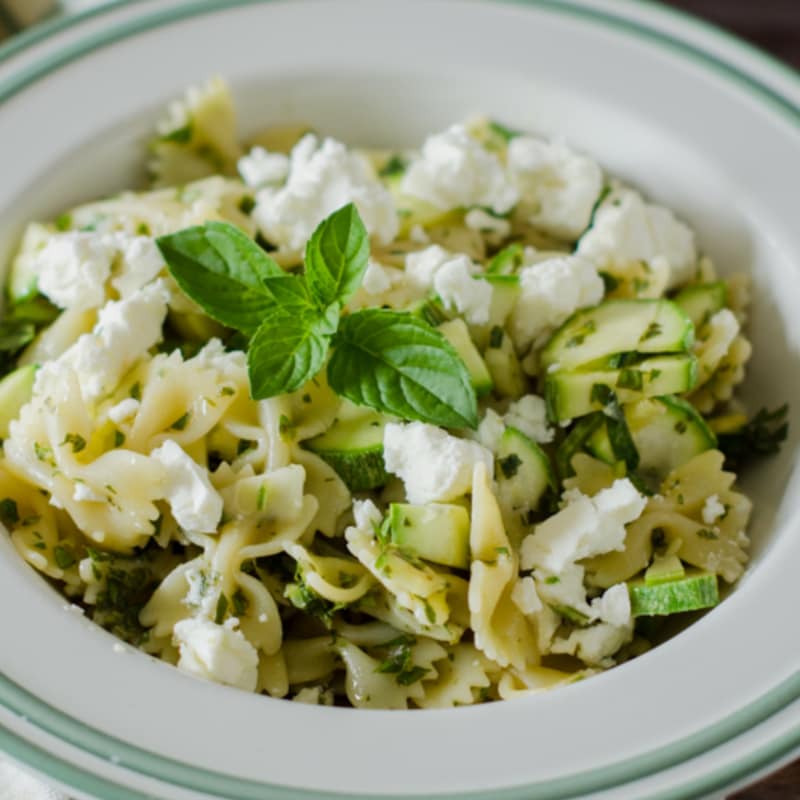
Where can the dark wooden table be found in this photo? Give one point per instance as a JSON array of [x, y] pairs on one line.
[[773, 25]]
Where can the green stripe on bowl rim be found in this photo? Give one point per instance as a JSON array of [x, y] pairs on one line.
[[93, 742]]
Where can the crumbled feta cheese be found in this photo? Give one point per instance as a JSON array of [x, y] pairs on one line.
[[585, 527], [73, 269], [594, 645], [204, 590], [322, 179], [479, 220], [195, 503], [229, 364], [125, 331], [550, 291], [626, 229], [459, 290], [614, 605], [216, 652], [366, 514], [85, 493], [422, 266], [140, 261], [529, 415], [434, 466], [456, 171], [558, 187], [564, 589], [123, 410], [376, 279], [525, 597], [260, 167], [713, 509], [491, 430]]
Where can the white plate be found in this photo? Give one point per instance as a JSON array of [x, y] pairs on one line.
[[699, 121]]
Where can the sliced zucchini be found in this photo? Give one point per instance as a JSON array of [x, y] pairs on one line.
[[431, 311], [353, 446], [694, 591], [668, 432], [619, 326], [16, 389], [664, 569], [573, 394], [507, 261], [523, 475], [505, 291], [437, 532], [599, 445], [576, 442], [503, 365], [702, 301], [457, 333]]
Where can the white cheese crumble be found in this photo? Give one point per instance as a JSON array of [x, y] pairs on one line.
[[216, 652], [614, 605], [525, 597], [323, 178], [260, 167], [73, 269], [529, 415], [627, 229], [377, 279], [123, 410], [422, 266], [558, 187], [434, 466], [456, 171], [491, 430], [479, 220], [594, 645], [550, 291], [713, 509], [453, 281], [585, 527], [139, 262], [366, 514], [125, 331], [194, 502]]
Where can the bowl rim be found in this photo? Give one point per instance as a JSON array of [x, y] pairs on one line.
[[760, 75]]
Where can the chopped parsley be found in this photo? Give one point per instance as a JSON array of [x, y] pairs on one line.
[[136, 391], [181, 422], [222, 609], [64, 556], [653, 330], [630, 379], [240, 603], [496, 337], [510, 465], [76, 440], [399, 661], [763, 435], [396, 165], [9, 513]]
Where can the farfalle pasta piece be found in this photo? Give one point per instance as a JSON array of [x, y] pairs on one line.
[[501, 631], [462, 677]]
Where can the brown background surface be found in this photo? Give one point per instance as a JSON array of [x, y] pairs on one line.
[[773, 25]]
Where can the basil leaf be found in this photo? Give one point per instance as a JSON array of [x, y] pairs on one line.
[[289, 349], [222, 270], [336, 257], [397, 363], [290, 292]]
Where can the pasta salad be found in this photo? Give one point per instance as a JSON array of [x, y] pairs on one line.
[[389, 429]]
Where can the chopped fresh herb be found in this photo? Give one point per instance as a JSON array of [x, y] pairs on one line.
[[398, 661], [630, 379], [307, 600], [43, 453], [510, 465], [588, 328], [502, 551], [306, 398], [429, 612], [247, 204], [761, 436], [63, 223], [640, 285], [143, 229], [181, 422], [244, 445], [261, 497], [240, 603], [9, 514], [119, 438], [286, 426], [551, 579], [707, 533], [658, 537], [227, 391], [396, 165], [681, 426], [63, 556], [653, 330], [601, 394], [609, 281], [347, 580], [222, 609], [504, 132], [496, 337], [136, 391], [76, 440], [182, 135], [653, 374]]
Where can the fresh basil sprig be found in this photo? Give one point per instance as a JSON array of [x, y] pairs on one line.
[[387, 360]]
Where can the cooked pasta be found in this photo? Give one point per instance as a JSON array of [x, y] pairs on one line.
[[513, 517]]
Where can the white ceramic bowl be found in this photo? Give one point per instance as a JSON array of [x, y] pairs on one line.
[[699, 121]]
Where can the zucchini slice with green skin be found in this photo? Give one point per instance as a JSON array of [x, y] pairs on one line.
[[577, 440], [524, 475], [701, 301], [668, 432], [16, 389], [693, 592], [353, 446], [619, 326], [572, 394], [437, 532], [503, 365], [457, 333], [507, 261]]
